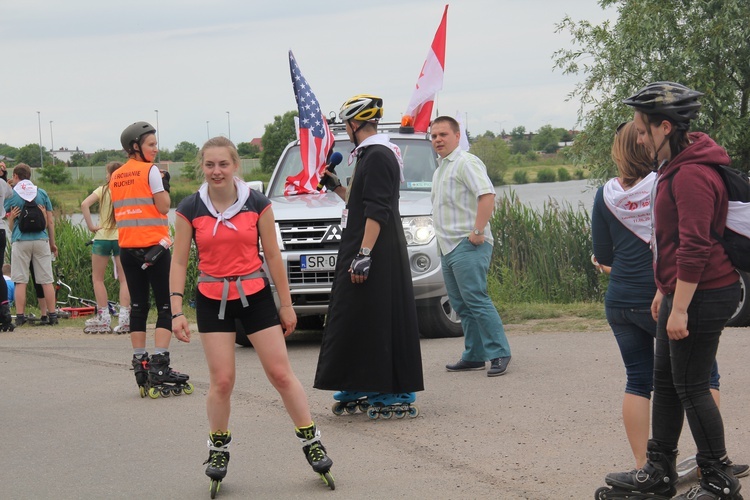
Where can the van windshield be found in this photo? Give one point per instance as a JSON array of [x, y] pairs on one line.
[[419, 165]]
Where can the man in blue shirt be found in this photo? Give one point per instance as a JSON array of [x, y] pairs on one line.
[[36, 247]]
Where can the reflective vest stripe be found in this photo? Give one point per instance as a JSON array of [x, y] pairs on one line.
[[142, 223], [133, 201]]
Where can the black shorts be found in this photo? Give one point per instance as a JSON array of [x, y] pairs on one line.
[[260, 313]]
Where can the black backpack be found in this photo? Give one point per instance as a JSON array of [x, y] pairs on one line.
[[32, 218], [736, 244]]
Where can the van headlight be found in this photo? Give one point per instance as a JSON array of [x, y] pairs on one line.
[[418, 230]]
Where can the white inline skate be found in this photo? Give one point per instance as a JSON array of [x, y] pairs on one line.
[[123, 320], [101, 323]]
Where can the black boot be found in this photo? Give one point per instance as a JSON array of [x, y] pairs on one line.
[[313, 449], [717, 482], [6, 320], [658, 476], [218, 454]]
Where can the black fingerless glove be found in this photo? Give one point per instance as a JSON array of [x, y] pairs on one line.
[[331, 181], [165, 180], [361, 265]]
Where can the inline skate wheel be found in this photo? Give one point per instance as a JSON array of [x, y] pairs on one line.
[[363, 406], [142, 390], [399, 413], [386, 414], [214, 488], [328, 480], [601, 493], [176, 391], [372, 413], [188, 388], [166, 392], [153, 392], [351, 410], [413, 412], [337, 409]]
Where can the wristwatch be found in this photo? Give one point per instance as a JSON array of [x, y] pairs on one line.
[[478, 232], [365, 251]]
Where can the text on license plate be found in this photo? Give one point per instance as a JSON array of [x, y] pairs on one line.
[[318, 262]]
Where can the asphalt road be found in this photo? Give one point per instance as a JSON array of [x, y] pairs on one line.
[[74, 426]]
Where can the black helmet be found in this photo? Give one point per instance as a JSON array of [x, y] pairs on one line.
[[677, 102], [133, 134]]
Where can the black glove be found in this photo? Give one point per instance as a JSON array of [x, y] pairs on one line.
[[361, 265], [330, 181], [165, 180]]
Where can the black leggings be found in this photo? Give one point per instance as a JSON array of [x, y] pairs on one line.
[[3, 285], [140, 281], [682, 370]]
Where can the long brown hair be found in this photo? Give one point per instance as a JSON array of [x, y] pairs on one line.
[[109, 218], [632, 159]]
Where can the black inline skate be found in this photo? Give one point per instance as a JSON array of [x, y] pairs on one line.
[[218, 459], [6, 320], [656, 480], [717, 482], [315, 453], [164, 381], [140, 368]]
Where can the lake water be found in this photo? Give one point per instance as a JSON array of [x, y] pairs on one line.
[[579, 194]]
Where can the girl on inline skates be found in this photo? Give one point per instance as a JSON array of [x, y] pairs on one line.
[[105, 246], [227, 221], [140, 198], [697, 292]]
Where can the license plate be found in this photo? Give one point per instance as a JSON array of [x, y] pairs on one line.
[[318, 262]]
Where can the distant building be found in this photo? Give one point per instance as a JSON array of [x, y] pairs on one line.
[[65, 154], [6, 158], [257, 142]]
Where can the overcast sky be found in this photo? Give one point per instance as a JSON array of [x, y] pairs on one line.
[[92, 67]]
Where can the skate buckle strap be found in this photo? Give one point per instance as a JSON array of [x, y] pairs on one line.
[[206, 278], [217, 448], [315, 439]]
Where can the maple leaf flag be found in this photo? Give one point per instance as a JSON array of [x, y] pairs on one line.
[[315, 138], [430, 80]]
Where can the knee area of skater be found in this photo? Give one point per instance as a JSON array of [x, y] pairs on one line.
[[282, 378], [222, 385], [163, 318], [138, 317]]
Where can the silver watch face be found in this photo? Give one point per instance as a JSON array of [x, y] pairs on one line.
[[364, 251], [477, 232]]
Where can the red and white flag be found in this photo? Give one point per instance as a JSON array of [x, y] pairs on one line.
[[430, 80], [315, 138]]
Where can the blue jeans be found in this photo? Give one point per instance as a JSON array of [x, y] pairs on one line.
[[682, 369], [465, 272], [635, 330]]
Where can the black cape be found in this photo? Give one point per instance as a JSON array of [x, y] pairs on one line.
[[371, 339]]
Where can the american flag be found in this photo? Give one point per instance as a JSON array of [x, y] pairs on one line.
[[315, 138]]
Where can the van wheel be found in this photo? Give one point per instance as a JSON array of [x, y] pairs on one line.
[[741, 316], [437, 319]]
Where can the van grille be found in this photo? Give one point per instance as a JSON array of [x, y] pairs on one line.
[[298, 277], [311, 235]]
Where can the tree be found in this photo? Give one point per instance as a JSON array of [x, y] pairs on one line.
[[518, 141], [495, 154], [78, 160], [104, 156], [700, 44], [248, 150], [29, 154], [547, 139], [185, 151], [55, 174], [277, 135], [6, 150]]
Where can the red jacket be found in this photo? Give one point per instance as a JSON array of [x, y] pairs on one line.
[[690, 200]]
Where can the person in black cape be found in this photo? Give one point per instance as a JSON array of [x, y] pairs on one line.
[[370, 349]]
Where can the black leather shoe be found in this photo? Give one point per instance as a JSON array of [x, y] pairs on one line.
[[464, 366]]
